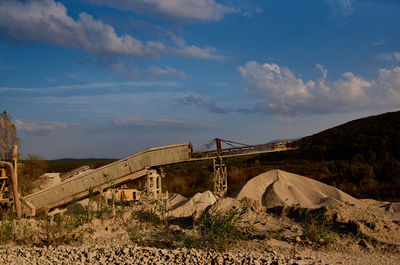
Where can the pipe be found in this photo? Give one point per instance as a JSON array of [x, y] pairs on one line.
[[29, 205], [15, 187]]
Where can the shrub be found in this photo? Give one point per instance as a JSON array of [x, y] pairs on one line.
[[191, 241], [7, 228], [219, 230], [148, 216], [317, 227], [133, 231]]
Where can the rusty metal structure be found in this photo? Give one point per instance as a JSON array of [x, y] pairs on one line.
[[145, 165], [234, 149], [239, 149], [9, 183]]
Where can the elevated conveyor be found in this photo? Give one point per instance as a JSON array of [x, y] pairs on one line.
[[116, 174], [139, 165]]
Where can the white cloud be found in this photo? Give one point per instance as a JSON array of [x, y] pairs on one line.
[[168, 71], [132, 123], [284, 92], [344, 7], [43, 128], [200, 10], [47, 21], [192, 51], [276, 83], [394, 56], [95, 85]]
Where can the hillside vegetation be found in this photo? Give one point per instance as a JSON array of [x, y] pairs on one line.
[[361, 157]]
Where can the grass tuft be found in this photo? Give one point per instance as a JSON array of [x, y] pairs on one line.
[[220, 230]]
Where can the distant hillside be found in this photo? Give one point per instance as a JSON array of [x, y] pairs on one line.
[[67, 164], [372, 137], [361, 157]]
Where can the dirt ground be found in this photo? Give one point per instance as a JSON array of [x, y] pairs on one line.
[[334, 229], [279, 235]]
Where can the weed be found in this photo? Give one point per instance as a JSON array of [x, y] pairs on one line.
[[219, 230], [112, 187], [60, 230], [317, 227], [277, 234], [191, 242], [148, 216], [103, 209], [134, 232], [7, 228], [27, 235]]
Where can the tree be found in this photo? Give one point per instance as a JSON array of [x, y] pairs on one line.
[[8, 137], [33, 167]]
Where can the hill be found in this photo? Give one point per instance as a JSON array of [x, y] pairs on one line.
[[361, 157], [370, 137]]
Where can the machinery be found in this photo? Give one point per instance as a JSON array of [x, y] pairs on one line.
[[5, 198], [145, 165], [127, 195], [9, 184]]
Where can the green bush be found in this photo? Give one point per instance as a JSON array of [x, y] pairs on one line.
[[148, 216], [219, 230], [318, 228], [191, 242], [7, 228]]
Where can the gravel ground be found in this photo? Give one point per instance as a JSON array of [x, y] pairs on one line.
[[142, 255]]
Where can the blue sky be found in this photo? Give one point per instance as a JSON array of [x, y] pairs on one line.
[[99, 78]]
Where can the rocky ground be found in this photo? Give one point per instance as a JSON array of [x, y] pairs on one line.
[[145, 255], [203, 230], [277, 237]]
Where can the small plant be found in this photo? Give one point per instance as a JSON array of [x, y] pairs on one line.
[[148, 216], [60, 230], [27, 235], [191, 242], [219, 230], [112, 187], [277, 234], [134, 232], [317, 227], [103, 209], [7, 228]]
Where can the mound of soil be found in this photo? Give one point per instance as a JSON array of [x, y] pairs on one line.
[[277, 188]]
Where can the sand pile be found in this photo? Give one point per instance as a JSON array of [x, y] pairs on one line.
[[44, 181], [197, 204], [277, 187], [175, 200]]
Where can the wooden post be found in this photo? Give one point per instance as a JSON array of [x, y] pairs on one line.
[[15, 182]]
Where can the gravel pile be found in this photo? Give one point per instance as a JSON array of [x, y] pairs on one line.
[[133, 255]]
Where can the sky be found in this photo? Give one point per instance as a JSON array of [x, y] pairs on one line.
[[106, 79]]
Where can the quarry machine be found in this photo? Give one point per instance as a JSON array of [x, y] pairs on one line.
[[9, 195], [145, 165]]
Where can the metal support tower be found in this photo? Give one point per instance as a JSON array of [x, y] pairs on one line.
[[153, 184], [220, 173]]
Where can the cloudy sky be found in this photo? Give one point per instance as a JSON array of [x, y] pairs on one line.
[[98, 78]]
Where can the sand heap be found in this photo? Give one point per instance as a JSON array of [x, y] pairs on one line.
[[175, 200], [44, 181], [277, 187], [197, 204]]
